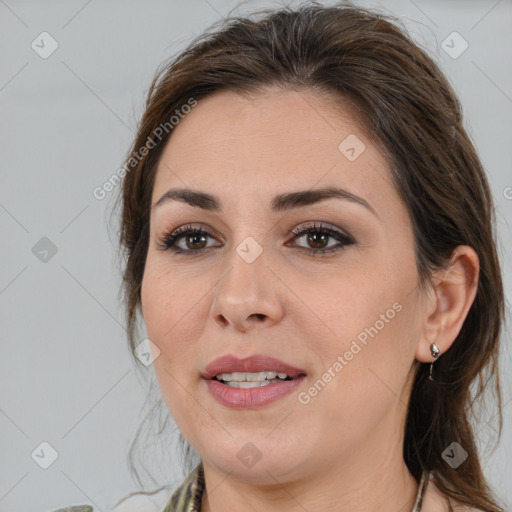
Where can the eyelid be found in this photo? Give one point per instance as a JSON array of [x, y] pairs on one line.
[[179, 232], [192, 226], [168, 241], [322, 226]]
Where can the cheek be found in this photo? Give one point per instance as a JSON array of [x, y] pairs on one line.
[[169, 315], [369, 382], [165, 298], [371, 320], [344, 304], [173, 307], [154, 301]]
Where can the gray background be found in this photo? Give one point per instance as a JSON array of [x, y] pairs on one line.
[[66, 124]]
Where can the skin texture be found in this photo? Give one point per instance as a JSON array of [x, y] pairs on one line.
[[343, 450]]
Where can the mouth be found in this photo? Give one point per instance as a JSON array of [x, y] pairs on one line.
[[254, 371], [246, 380], [251, 383]]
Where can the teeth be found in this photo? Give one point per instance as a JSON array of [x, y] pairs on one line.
[[246, 385], [250, 376]]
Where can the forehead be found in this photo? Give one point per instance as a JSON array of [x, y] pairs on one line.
[[275, 141]]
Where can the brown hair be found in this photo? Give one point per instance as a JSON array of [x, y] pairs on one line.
[[409, 109]]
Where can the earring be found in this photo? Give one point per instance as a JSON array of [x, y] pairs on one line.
[[435, 351]]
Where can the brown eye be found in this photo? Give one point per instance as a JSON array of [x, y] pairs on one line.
[[195, 241], [317, 238], [186, 239]]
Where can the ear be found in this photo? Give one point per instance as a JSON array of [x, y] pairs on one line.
[[446, 308]]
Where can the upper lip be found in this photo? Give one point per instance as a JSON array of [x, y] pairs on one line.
[[256, 363]]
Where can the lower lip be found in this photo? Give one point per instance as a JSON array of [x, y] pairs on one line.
[[251, 398]]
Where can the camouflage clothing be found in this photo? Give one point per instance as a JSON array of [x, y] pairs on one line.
[[187, 498]]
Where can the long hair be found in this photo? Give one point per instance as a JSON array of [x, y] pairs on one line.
[[409, 109]]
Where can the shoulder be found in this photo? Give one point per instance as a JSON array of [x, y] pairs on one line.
[[189, 495], [172, 498], [142, 502], [181, 498]]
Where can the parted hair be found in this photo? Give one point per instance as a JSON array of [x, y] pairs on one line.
[[366, 59]]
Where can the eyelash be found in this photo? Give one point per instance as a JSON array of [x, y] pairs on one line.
[[168, 240]]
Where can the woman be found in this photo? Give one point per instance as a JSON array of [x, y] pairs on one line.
[[307, 229]]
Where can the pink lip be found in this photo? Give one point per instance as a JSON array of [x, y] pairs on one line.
[[250, 398]]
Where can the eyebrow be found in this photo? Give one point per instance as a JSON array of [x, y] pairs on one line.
[[279, 203]]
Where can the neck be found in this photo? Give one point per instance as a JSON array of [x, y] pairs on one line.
[[345, 489]]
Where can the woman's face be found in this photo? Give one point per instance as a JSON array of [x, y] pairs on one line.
[[343, 306]]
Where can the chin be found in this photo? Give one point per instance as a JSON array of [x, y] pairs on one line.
[[256, 463]]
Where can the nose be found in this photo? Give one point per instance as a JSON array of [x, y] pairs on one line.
[[248, 296]]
